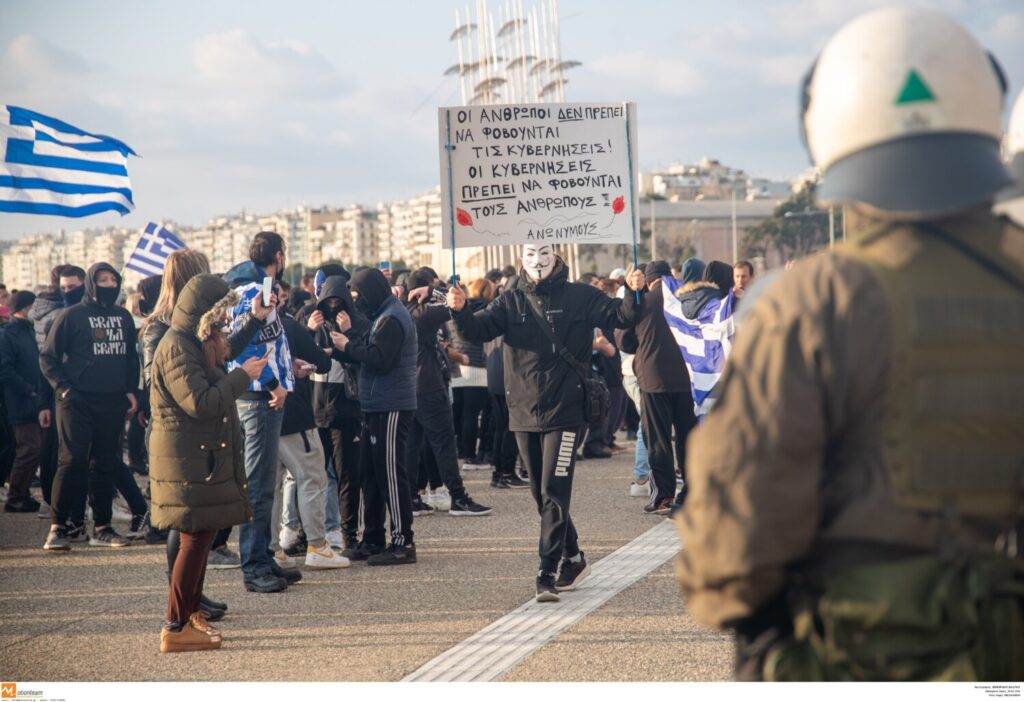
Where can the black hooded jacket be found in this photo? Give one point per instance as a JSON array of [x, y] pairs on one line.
[[544, 393], [91, 347], [429, 319], [332, 403]]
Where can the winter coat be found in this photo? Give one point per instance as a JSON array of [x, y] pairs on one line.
[[544, 393], [298, 406], [19, 372], [46, 308], [658, 364], [91, 347], [155, 329], [386, 354], [473, 349], [196, 469], [335, 401], [430, 362]]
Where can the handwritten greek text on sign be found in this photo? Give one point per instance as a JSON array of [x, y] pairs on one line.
[[551, 173]]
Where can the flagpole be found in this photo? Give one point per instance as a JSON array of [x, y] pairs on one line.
[[451, 196], [632, 191]]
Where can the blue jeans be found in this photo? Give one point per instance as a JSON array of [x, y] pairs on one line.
[[261, 429], [332, 507]]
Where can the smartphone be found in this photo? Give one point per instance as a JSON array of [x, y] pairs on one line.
[[268, 288], [385, 266], [307, 366]]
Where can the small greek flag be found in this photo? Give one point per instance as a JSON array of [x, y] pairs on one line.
[[155, 245], [705, 341], [50, 167]]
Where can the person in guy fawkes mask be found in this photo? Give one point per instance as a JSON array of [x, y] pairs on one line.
[[386, 355], [91, 361], [545, 393]]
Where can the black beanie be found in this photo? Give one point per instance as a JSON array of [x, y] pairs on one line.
[[20, 300], [656, 269]]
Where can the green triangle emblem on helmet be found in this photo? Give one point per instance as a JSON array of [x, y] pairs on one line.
[[914, 90]]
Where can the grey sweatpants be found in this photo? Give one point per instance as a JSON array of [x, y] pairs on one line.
[[302, 456]]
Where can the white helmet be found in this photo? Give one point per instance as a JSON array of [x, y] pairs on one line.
[[1011, 200], [902, 112]]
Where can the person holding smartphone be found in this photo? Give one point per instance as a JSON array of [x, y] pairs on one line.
[[260, 409]]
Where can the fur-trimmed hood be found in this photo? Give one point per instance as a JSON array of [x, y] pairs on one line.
[[204, 301], [693, 297]]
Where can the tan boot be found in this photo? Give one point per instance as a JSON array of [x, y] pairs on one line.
[[188, 639], [199, 622]]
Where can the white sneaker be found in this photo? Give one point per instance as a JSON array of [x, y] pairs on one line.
[[335, 539], [441, 499], [288, 537], [325, 557], [285, 561], [640, 489]]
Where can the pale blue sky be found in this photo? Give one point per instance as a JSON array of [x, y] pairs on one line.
[[262, 105]]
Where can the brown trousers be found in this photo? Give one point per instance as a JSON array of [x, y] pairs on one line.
[[188, 575], [27, 441]]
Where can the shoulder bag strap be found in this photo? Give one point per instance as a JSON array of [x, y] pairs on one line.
[[549, 332]]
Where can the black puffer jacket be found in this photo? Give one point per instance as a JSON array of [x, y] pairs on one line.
[[332, 403], [544, 393], [46, 308], [20, 378]]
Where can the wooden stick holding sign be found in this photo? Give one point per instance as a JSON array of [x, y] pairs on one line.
[[559, 173]]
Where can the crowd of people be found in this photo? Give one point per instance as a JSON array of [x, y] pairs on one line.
[[308, 416]]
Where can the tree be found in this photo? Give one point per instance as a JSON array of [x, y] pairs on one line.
[[797, 227]]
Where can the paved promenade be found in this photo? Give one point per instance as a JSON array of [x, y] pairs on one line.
[[463, 611]]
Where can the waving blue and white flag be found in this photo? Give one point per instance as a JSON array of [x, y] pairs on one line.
[[155, 245], [705, 340], [50, 167]]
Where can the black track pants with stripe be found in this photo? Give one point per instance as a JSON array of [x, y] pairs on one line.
[[385, 480], [550, 459]]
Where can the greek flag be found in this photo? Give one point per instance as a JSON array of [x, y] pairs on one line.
[[705, 342], [50, 167], [154, 247]]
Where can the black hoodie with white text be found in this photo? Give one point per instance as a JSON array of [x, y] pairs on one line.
[[91, 346]]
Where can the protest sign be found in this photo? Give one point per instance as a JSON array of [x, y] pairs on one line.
[[546, 173]]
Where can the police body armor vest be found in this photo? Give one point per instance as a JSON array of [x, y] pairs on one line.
[[953, 437]]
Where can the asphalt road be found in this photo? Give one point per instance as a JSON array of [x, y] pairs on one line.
[[94, 614]]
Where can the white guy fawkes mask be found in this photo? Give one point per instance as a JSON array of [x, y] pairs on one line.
[[538, 261]]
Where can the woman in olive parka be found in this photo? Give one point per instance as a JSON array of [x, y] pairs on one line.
[[197, 476]]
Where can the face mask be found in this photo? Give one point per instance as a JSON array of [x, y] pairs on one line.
[[363, 307], [107, 297], [73, 297], [538, 261]]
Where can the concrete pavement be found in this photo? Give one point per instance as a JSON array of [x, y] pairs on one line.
[[95, 613]]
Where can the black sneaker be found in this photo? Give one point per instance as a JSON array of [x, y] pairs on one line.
[[515, 482], [572, 574], [266, 583], [209, 603], [77, 533], [661, 507], [546, 590], [290, 576], [498, 481], [596, 452], [139, 525], [421, 508], [156, 536], [466, 506], [29, 505], [108, 537], [393, 555], [212, 613], [57, 540], [362, 551]]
